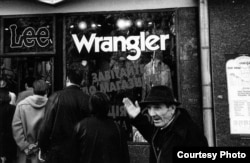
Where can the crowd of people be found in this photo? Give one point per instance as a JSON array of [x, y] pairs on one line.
[[70, 126]]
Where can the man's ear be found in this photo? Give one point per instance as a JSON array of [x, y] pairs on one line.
[[173, 107]]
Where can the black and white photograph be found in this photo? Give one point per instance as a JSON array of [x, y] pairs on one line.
[[124, 81]]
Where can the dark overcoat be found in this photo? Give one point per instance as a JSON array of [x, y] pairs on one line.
[[100, 140], [63, 111], [8, 146], [182, 132]]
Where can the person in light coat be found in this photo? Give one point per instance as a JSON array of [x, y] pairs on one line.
[[27, 121]]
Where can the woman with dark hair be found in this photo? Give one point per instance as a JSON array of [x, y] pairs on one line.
[[7, 143], [99, 139], [99, 104], [4, 85]]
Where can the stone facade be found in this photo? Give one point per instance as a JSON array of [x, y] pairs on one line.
[[229, 34], [189, 62]]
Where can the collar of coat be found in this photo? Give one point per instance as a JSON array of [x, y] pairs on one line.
[[180, 123], [73, 87]]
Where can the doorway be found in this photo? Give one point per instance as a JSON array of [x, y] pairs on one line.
[[15, 69]]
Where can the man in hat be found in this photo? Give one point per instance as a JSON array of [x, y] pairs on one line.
[[170, 127]]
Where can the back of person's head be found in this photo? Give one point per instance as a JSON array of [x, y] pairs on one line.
[[99, 104], [4, 96], [40, 87], [29, 81], [75, 73]]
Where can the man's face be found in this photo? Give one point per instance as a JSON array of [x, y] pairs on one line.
[[160, 114]]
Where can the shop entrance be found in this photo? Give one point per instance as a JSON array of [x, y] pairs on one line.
[[16, 69]]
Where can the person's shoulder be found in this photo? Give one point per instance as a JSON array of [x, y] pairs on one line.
[[23, 105], [183, 113], [23, 102], [187, 120], [55, 94], [183, 119], [84, 123], [77, 91], [27, 92], [87, 120], [23, 94]]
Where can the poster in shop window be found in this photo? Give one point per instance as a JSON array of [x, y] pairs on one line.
[[238, 80], [28, 35]]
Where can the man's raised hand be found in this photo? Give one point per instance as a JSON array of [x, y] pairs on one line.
[[132, 110]]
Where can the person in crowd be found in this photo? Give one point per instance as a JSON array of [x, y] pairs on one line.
[[4, 85], [7, 143], [171, 126], [99, 139], [63, 111], [27, 122], [28, 89]]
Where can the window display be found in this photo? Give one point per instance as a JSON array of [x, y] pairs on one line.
[[124, 54]]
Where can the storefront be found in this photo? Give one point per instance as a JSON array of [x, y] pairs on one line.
[[28, 50], [124, 54]]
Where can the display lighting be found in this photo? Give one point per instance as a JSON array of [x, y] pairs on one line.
[[82, 25], [139, 23], [128, 23], [93, 25], [71, 26], [51, 2], [84, 63], [123, 24]]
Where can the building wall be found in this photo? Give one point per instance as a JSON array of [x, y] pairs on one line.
[[14, 7], [229, 34], [189, 62]]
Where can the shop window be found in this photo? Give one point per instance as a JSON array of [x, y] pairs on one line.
[[124, 55], [16, 69], [27, 49]]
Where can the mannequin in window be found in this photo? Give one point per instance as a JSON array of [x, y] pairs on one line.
[[156, 72]]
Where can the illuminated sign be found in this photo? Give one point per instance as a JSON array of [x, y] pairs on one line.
[[134, 43], [29, 37]]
